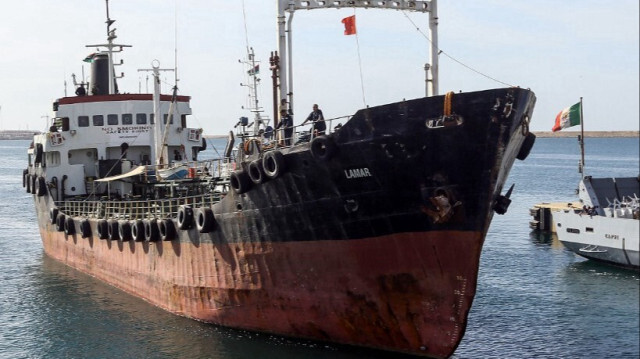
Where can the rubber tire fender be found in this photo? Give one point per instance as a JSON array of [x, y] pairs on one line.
[[124, 230], [112, 229], [273, 164], [185, 217], [41, 189], [205, 221], [60, 219], [53, 215], [103, 229], [167, 229], [137, 231], [85, 228], [240, 182], [256, 172], [69, 226], [151, 233], [322, 148], [526, 146]]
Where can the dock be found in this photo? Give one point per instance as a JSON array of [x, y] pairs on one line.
[[541, 213]]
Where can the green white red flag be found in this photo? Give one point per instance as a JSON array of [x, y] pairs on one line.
[[568, 117]]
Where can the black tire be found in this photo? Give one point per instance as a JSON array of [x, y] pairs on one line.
[[112, 229], [240, 182], [85, 228], [124, 230], [205, 221], [167, 230], [526, 147], [151, 233], [185, 217], [256, 172], [25, 173], [273, 164], [137, 231], [33, 184], [103, 229], [41, 188], [28, 182], [323, 148], [69, 226], [60, 220], [53, 215]]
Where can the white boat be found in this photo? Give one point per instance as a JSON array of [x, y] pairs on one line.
[[606, 228]]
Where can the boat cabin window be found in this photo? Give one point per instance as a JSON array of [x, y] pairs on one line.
[[589, 229], [61, 123], [165, 119], [83, 121], [141, 118], [183, 121], [151, 119], [98, 120], [112, 119], [52, 158], [127, 119], [573, 230]]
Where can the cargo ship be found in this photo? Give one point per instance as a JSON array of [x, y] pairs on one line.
[[367, 234]]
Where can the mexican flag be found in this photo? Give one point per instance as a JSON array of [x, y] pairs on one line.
[[568, 117]]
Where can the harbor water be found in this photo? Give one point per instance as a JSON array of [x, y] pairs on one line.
[[535, 299]]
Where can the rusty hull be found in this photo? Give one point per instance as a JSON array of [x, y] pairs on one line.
[[405, 292]]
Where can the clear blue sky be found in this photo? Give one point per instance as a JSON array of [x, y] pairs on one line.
[[560, 49]]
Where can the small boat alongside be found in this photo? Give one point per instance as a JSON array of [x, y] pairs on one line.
[[607, 227]]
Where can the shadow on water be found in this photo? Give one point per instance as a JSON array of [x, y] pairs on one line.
[[604, 269], [79, 315], [545, 239]]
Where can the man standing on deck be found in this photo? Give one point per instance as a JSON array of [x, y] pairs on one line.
[[317, 118]]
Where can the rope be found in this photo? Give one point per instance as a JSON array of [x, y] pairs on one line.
[[451, 57], [448, 99]]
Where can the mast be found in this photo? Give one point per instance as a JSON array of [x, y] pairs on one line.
[[111, 49], [285, 34], [581, 140]]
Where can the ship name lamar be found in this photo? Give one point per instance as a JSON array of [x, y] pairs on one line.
[[357, 173]]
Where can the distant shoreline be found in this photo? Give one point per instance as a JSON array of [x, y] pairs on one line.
[[28, 135], [587, 134]]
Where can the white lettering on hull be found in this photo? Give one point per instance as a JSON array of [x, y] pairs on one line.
[[357, 173]]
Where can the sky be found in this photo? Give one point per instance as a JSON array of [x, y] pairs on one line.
[[562, 50]]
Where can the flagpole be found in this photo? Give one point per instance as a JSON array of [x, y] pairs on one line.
[[581, 140]]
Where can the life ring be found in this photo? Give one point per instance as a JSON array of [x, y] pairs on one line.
[[85, 228], [69, 226], [124, 230], [322, 148], [112, 230], [60, 220], [103, 229], [273, 164], [185, 217], [167, 229], [151, 230], [41, 189], [526, 146], [205, 221], [53, 215], [256, 172], [137, 231], [240, 182], [248, 148]]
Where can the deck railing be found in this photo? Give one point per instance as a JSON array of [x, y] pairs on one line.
[[135, 209]]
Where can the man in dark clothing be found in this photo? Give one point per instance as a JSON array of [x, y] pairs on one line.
[[286, 122], [317, 118]]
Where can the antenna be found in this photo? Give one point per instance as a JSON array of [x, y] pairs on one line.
[[175, 60]]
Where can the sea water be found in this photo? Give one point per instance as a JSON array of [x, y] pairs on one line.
[[535, 299]]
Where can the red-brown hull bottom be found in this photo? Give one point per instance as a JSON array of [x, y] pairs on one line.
[[406, 292]]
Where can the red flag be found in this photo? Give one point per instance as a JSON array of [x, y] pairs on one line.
[[349, 25]]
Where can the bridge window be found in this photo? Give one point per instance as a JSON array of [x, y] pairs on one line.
[[98, 120], [83, 121], [141, 118], [151, 119], [127, 119], [112, 119], [165, 119]]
